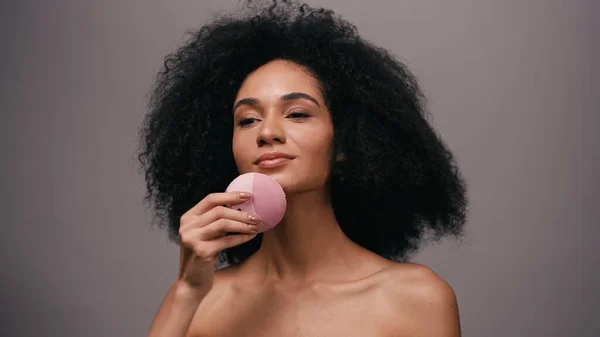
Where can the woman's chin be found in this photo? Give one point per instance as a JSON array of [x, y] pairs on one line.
[[288, 180], [294, 187]]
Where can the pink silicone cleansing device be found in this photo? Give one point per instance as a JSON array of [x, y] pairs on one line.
[[268, 202]]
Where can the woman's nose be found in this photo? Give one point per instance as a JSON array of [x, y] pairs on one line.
[[271, 131]]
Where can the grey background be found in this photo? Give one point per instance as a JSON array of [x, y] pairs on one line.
[[513, 88]]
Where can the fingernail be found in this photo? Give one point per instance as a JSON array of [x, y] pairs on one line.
[[253, 219], [253, 228], [245, 195]]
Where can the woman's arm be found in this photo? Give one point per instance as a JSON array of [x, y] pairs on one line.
[[437, 309], [176, 312], [427, 301]]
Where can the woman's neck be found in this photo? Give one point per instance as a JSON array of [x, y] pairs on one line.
[[308, 244]]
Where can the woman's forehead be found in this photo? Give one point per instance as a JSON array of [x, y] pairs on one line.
[[276, 79]]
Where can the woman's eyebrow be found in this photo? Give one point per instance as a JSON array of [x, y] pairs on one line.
[[246, 101], [299, 95], [250, 101]]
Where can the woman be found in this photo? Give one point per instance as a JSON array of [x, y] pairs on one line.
[[365, 177]]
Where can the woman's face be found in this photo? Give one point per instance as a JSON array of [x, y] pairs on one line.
[[279, 110]]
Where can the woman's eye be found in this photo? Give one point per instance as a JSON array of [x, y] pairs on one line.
[[298, 115], [246, 121]]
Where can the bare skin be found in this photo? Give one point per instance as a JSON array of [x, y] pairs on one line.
[[380, 298], [308, 278]]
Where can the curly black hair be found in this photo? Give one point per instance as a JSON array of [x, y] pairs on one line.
[[398, 182]]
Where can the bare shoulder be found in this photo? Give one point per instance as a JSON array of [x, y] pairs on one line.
[[414, 290], [420, 283], [215, 304], [223, 283]]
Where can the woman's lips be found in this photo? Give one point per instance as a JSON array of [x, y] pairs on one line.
[[269, 163]]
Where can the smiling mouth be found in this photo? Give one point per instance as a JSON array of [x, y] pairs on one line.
[[270, 163]]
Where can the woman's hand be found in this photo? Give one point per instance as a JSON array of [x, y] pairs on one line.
[[204, 233]]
